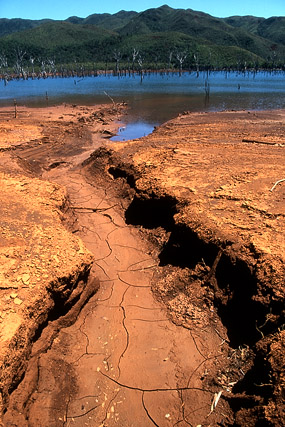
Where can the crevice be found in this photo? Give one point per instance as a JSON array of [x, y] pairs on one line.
[[246, 318], [185, 249], [152, 212], [147, 412], [158, 389], [257, 381], [125, 328], [230, 282], [117, 172], [62, 304], [85, 413], [239, 312], [60, 317], [102, 423]]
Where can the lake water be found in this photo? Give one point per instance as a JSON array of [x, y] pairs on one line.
[[157, 98]]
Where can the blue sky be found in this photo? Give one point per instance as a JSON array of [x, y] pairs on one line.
[[62, 9]]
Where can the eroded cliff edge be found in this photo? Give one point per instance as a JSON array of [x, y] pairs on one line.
[[209, 190], [41, 266]]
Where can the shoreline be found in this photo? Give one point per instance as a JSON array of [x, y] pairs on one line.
[[127, 71]]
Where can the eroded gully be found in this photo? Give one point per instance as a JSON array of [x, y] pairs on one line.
[[123, 362]]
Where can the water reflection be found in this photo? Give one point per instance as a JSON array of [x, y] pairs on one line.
[[133, 131], [158, 98]]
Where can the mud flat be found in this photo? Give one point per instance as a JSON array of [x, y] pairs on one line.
[[184, 229]]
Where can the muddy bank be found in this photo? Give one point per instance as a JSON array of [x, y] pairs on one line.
[[189, 214]]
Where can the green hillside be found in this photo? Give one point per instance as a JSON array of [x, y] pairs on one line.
[[158, 34], [247, 23], [58, 40], [10, 26], [110, 22], [272, 29], [198, 25], [55, 34]]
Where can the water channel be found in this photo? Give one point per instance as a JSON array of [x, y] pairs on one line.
[[157, 98]]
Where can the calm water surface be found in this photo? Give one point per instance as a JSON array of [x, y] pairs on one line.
[[157, 98]]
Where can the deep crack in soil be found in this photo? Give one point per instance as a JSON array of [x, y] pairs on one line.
[[127, 360]]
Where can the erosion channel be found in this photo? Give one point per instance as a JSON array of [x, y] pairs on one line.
[[178, 313]]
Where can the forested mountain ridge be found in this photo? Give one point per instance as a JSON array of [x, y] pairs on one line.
[[10, 26], [272, 28], [153, 33]]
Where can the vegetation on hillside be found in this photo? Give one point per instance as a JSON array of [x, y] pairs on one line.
[[156, 38]]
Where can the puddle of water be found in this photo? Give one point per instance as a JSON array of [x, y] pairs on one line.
[[133, 131]]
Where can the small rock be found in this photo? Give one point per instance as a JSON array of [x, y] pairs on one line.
[[26, 278], [13, 295], [18, 301]]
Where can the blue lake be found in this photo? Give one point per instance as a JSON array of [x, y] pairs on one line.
[[157, 98]]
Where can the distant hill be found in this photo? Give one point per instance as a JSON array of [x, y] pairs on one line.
[[52, 35], [196, 24], [216, 42], [272, 28], [58, 40], [247, 23], [110, 22], [10, 26]]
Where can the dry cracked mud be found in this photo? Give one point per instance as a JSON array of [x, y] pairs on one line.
[[187, 242]]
